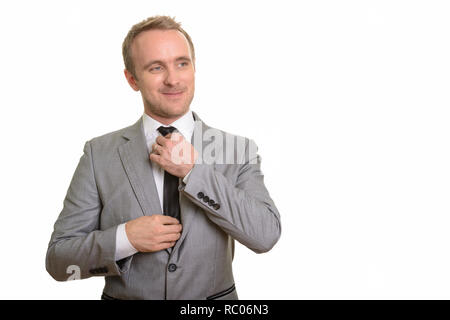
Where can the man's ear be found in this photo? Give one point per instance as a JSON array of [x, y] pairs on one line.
[[131, 80]]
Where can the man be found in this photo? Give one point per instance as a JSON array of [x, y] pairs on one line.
[[151, 212]]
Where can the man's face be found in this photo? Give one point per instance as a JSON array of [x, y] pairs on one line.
[[165, 73]]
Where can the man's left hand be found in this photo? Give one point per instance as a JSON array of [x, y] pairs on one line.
[[174, 154]]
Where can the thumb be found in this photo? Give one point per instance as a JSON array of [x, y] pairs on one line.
[[175, 136]]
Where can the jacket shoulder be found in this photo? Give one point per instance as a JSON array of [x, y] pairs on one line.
[[111, 140], [233, 146]]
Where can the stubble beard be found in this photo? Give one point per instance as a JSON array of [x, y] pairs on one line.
[[166, 112]]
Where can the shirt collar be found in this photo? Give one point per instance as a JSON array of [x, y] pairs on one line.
[[184, 125]]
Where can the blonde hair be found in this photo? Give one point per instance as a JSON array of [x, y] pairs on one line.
[[151, 23]]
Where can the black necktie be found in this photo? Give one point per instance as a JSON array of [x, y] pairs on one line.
[[171, 195]]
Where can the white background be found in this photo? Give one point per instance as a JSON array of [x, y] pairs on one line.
[[348, 102]]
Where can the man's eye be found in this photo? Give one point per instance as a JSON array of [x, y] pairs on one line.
[[183, 64], [155, 69]]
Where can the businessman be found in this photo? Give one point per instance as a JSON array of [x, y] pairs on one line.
[[155, 207]]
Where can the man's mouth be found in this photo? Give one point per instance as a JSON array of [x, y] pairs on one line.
[[172, 93], [173, 96]]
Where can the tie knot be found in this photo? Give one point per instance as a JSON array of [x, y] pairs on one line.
[[166, 130]]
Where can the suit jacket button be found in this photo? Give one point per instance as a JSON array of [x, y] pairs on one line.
[[172, 267], [205, 199], [211, 202], [200, 195], [216, 206]]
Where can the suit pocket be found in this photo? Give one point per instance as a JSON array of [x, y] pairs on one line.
[[222, 293]]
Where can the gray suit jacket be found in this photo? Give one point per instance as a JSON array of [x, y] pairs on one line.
[[220, 203]]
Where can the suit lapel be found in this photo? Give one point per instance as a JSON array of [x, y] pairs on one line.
[[135, 159]]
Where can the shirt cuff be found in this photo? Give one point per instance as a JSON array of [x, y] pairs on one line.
[[123, 246], [185, 179]]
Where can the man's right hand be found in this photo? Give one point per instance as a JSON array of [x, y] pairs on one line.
[[153, 233]]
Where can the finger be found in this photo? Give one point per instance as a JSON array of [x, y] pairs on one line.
[[170, 244], [167, 244], [175, 136], [169, 237], [156, 148], [167, 220], [162, 140], [171, 228], [156, 158]]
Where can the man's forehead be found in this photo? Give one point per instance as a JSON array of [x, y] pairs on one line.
[[160, 45], [160, 38]]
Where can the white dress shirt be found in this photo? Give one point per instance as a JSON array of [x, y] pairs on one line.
[[185, 126]]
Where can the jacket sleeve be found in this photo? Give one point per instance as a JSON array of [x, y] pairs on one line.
[[78, 249], [243, 209]]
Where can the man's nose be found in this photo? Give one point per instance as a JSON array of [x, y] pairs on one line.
[[171, 78]]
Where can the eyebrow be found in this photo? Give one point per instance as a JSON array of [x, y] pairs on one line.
[[182, 58]]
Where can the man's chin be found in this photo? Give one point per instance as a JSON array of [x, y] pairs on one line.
[[168, 110], [176, 112], [171, 112]]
